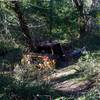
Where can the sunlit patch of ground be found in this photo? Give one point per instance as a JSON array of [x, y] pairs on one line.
[[69, 80]]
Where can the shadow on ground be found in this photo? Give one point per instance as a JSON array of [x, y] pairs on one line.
[[91, 42]]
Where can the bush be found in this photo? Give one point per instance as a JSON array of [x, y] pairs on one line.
[[88, 65]]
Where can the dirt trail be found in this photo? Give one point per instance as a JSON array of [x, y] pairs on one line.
[[68, 80]]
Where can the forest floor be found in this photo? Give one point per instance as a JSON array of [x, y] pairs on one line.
[[67, 80], [74, 82]]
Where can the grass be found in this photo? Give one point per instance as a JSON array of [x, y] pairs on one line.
[[88, 66]]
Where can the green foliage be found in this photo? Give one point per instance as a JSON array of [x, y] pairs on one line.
[[93, 94], [11, 89], [57, 19]]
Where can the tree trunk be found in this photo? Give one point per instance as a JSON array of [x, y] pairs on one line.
[[51, 14], [82, 18], [83, 25], [23, 24]]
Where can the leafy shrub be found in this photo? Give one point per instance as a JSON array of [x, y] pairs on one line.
[[31, 73], [88, 65]]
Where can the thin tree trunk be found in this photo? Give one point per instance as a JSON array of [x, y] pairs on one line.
[[51, 19], [82, 18], [23, 24]]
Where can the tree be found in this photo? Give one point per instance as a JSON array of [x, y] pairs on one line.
[[84, 16], [23, 24]]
